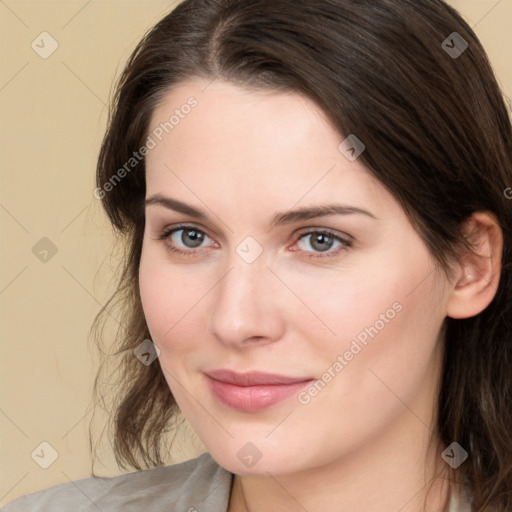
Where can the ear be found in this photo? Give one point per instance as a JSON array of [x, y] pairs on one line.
[[477, 276]]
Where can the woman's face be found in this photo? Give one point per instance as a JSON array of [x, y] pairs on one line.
[[348, 304]]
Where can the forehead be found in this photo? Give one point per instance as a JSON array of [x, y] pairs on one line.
[[217, 137]]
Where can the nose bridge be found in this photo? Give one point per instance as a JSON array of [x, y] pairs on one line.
[[244, 301]]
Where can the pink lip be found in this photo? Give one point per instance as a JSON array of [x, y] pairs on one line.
[[253, 391]]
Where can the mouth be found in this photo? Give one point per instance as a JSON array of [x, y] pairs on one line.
[[253, 391]]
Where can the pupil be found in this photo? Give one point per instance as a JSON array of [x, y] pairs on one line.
[[196, 237], [321, 239]]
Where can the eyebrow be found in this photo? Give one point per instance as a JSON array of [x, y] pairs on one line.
[[289, 217]]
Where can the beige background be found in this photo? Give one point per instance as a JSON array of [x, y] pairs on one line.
[[53, 116]]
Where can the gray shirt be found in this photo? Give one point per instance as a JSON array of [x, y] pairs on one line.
[[196, 485]]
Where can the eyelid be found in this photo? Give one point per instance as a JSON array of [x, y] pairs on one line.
[[315, 229]]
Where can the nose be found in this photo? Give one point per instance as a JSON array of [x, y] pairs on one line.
[[245, 305]]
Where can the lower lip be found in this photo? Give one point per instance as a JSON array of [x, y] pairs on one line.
[[253, 398]]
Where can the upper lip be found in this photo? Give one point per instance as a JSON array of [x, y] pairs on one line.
[[253, 378]]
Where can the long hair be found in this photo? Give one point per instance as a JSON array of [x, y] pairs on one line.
[[427, 106]]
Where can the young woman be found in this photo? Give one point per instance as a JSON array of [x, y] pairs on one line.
[[316, 203]]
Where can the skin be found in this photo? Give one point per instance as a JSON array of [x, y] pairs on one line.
[[362, 443]]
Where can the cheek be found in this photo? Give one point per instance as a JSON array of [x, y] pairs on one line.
[[387, 340], [171, 299], [386, 315], [159, 298], [337, 307]]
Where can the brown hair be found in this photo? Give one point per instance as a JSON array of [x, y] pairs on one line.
[[437, 135]]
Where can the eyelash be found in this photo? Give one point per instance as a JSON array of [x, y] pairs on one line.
[[164, 235]]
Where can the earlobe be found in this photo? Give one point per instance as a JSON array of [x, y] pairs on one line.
[[478, 277]]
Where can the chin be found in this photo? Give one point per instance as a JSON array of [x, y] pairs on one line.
[[248, 460]]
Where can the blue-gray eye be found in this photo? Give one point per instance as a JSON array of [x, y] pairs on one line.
[[190, 238], [321, 241]]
